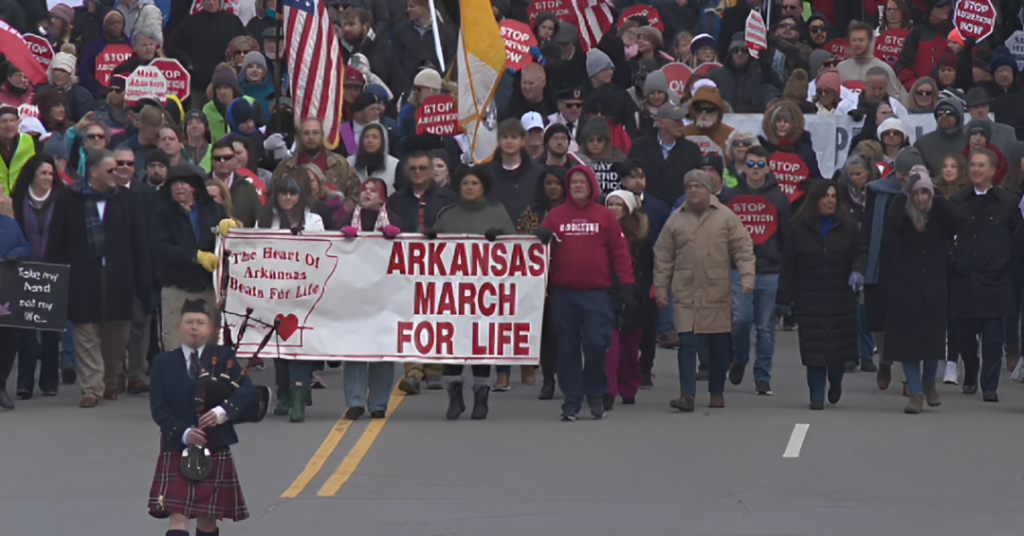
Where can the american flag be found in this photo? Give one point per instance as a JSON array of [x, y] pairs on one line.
[[593, 18], [314, 57]]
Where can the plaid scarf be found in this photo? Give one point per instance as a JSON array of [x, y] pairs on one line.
[[93, 221]]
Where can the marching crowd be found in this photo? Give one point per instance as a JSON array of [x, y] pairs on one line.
[[667, 226]]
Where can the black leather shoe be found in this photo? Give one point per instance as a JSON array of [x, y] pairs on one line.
[[970, 388], [990, 396], [547, 391], [378, 414], [835, 392], [5, 400], [354, 413], [609, 402], [736, 373], [817, 406], [23, 394]]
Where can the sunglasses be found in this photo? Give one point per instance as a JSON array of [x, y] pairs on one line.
[[573, 104], [117, 90], [95, 136], [705, 109], [944, 112], [125, 163], [817, 29], [223, 158], [742, 143], [786, 26], [924, 93], [756, 163]]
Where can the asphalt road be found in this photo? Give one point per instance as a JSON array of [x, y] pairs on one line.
[[864, 467]]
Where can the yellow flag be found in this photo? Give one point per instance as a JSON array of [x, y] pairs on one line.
[[481, 61]]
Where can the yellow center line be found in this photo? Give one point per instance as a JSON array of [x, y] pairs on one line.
[[317, 462], [355, 457]]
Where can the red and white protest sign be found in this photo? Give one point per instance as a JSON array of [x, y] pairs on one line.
[[838, 47], [518, 40], [231, 6], [758, 216], [706, 144], [975, 18], [1016, 45], [178, 79], [40, 48], [703, 68], [437, 115], [755, 34], [789, 170], [147, 82], [677, 74], [889, 45], [108, 59], [561, 8], [648, 12], [454, 299]]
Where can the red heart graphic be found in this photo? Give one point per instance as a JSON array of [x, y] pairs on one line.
[[289, 324]]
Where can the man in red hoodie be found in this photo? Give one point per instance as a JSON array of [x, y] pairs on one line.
[[589, 243]]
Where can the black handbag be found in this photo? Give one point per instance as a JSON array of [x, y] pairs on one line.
[[196, 463]]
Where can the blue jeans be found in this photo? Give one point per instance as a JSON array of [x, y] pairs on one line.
[[991, 330], [377, 377], [301, 371], [916, 379], [816, 377], [667, 318], [865, 342], [755, 310], [583, 319], [67, 346], [719, 353]]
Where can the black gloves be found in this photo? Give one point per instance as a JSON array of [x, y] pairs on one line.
[[629, 304], [544, 234], [298, 230], [492, 234]]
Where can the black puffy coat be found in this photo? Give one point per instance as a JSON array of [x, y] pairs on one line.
[[175, 240], [748, 89], [915, 323], [981, 282], [814, 276], [665, 176]]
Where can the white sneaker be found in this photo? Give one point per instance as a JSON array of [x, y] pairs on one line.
[[950, 377]]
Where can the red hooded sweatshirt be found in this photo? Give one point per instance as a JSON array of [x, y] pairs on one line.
[[588, 241]]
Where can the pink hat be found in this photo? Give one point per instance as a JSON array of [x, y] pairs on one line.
[[829, 80]]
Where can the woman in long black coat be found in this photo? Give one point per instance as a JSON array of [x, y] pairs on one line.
[[822, 269], [921, 227]]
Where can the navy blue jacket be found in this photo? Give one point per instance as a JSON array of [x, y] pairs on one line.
[[172, 397], [12, 240]]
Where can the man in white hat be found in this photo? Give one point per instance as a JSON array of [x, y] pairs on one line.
[[61, 77]]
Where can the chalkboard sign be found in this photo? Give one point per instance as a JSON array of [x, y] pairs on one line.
[[34, 295]]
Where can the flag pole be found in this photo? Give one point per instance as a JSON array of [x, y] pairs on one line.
[[437, 36]]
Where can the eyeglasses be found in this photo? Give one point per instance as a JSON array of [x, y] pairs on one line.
[[95, 136], [573, 104], [125, 163], [705, 109], [756, 163], [742, 143], [817, 29], [924, 93], [241, 52], [223, 158]]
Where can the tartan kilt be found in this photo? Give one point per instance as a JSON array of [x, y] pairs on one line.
[[218, 497]]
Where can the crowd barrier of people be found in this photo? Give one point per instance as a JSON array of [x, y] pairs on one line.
[[859, 181]]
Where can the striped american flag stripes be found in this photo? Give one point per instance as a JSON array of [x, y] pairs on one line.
[[314, 59]]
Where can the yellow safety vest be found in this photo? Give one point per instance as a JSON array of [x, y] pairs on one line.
[[9, 175]]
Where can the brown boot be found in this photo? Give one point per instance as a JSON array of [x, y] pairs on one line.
[[931, 394], [683, 403], [89, 402], [1012, 356], [136, 387], [669, 341], [915, 404], [110, 394], [528, 375], [717, 400], [884, 375]]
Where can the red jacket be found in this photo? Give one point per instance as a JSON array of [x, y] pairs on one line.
[[588, 241]]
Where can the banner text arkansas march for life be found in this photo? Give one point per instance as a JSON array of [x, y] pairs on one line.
[[454, 299]]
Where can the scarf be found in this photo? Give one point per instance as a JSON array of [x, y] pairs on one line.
[[37, 225], [37, 202], [858, 197], [382, 218], [93, 221], [370, 162]]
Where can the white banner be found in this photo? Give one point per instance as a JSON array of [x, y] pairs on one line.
[[831, 134], [454, 299]]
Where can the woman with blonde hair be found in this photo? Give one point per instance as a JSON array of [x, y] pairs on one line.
[[953, 176]]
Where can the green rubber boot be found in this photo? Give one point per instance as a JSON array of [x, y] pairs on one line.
[[300, 394]]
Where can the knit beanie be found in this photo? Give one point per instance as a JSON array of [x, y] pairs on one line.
[[240, 111], [699, 176], [253, 57], [656, 81], [555, 128], [63, 12], [627, 197], [364, 101], [829, 79], [947, 58], [158, 156], [56, 147], [892, 123], [980, 125], [907, 158], [818, 57], [64, 62], [1002, 57], [955, 105], [225, 76], [923, 181], [598, 61]]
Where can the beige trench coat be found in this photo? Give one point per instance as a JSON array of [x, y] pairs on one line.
[[695, 254]]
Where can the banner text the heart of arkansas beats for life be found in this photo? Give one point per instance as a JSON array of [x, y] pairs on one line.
[[453, 299]]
